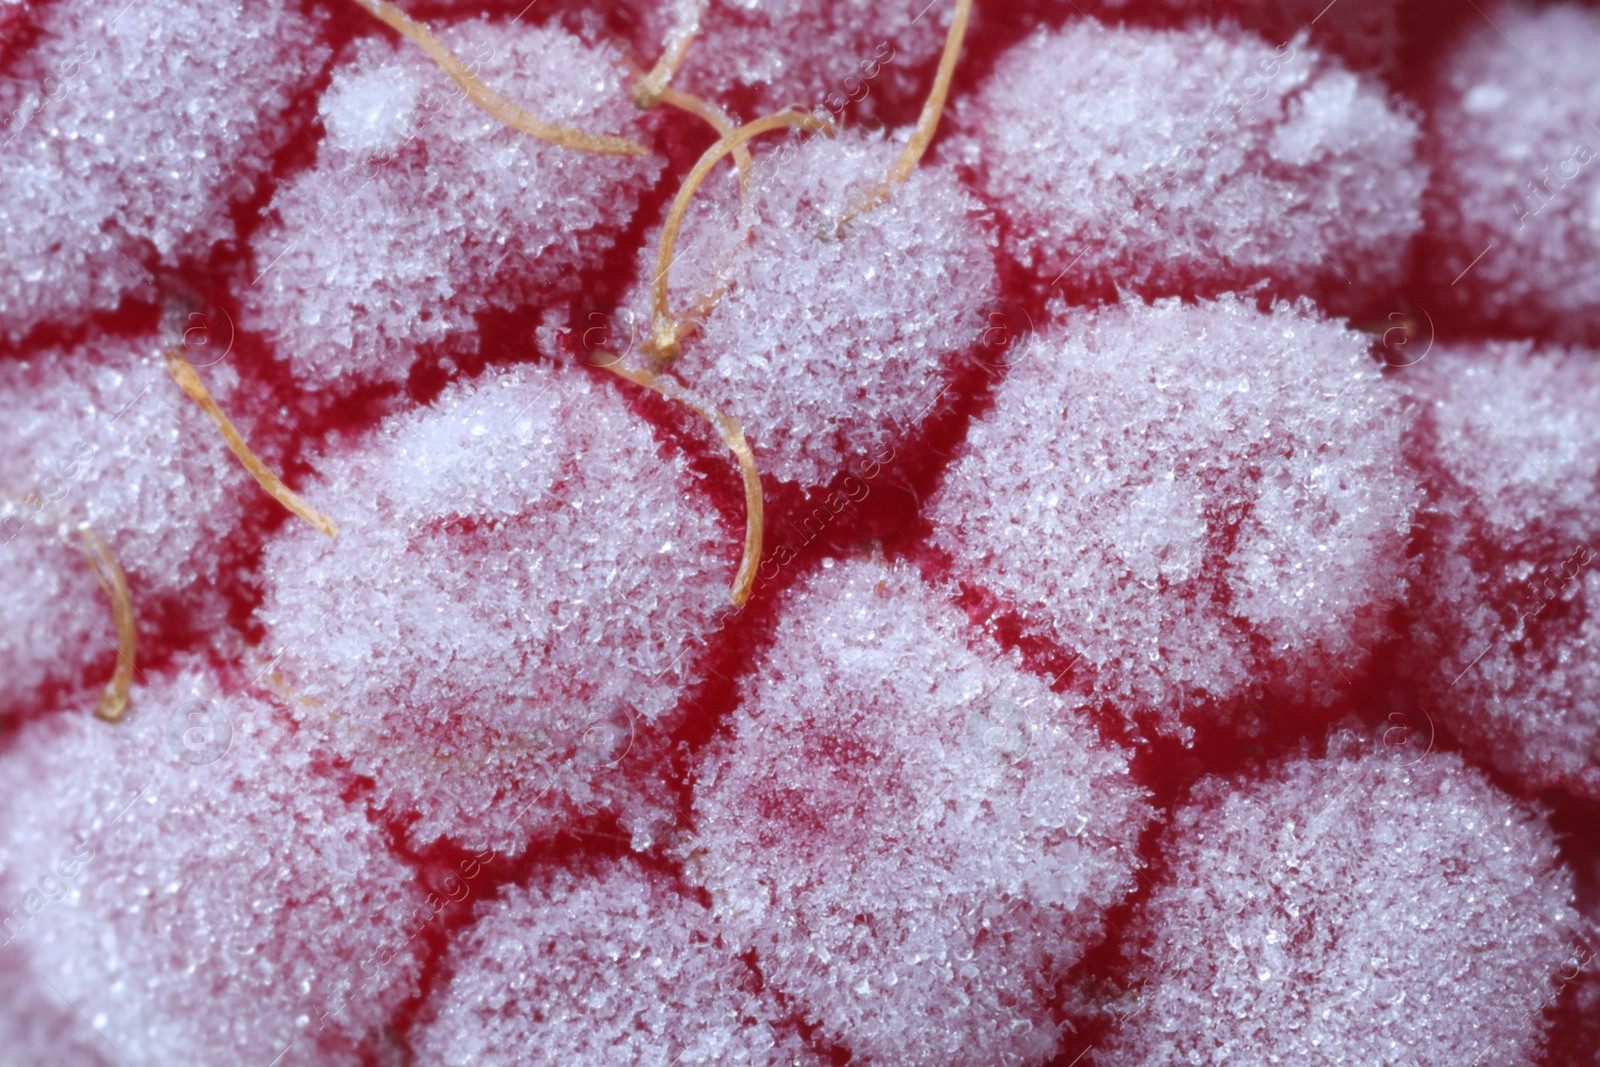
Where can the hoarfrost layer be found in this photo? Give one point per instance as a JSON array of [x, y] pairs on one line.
[[190, 881], [1204, 501], [618, 969], [38, 1028], [915, 838], [854, 57], [135, 128], [1365, 35], [830, 345], [423, 211], [1376, 906], [98, 434], [520, 583], [1506, 638], [1194, 161], [1514, 210]]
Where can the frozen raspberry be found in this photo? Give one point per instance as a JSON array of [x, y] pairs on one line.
[[1514, 209], [1082, 508], [520, 578], [831, 346], [195, 886], [616, 968], [1350, 910], [1202, 501], [133, 131], [1194, 161], [915, 838], [100, 434], [423, 211], [1503, 639]]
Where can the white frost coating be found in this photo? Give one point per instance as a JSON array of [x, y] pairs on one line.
[[1204, 501], [915, 838], [1194, 161], [1506, 636], [617, 969], [1349, 911], [832, 348], [197, 889], [38, 1029], [99, 433], [852, 57], [1516, 156], [1366, 35], [369, 108], [98, 183], [521, 578], [423, 211]]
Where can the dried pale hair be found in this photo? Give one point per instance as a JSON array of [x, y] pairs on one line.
[[652, 88], [491, 102], [927, 122], [666, 331], [184, 374], [732, 433], [113, 702]]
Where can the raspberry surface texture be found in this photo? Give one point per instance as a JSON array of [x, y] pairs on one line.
[[799, 533]]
